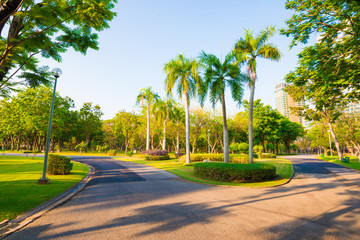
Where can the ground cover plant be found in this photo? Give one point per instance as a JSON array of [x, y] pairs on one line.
[[18, 184], [233, 172], [284, 171], [354, 161], [217, 157]]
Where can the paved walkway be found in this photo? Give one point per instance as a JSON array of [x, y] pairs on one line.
[[130, 201]]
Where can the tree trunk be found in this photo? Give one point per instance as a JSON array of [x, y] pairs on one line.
[[225, 130], [164, 132], [251, 106], [148, 127], [335, 141], [177, 142], [187, 127]]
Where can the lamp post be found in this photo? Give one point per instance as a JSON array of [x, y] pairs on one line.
[[208, 140], [43, 180], [330, 144]]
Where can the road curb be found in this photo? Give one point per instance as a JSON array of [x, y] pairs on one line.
[[8, 227]]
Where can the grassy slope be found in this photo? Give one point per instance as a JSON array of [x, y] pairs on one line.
[[19, 191], [283, 171], [354, 162]]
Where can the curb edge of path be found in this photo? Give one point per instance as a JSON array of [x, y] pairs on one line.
[[8, 227]]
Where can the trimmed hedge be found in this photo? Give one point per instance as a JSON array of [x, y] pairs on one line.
[[232, 172], [156, 152], [267, 155], [218, 157], [149, 157], [59, 165], [112, 152]]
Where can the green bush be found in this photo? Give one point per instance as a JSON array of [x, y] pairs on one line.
[[59, 165], [267, 155], [219, 157], [243, 147], [232, 172], [112, 152], [241, 158], [234, 147], [149, 157], [129, 153]]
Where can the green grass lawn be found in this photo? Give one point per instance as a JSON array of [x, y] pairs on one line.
[[283, 171], [354, 161], [19, 191]]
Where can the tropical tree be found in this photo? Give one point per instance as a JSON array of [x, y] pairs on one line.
[[163, 110], [248, 50], [150, 97], [219, 75], [185, 73], [29, 28]]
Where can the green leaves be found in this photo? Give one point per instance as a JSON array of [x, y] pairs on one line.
[[49, 28]]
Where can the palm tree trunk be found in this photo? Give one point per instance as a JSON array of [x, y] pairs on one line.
[[225, 130], [251, 106], [187, 128], [148, 127], [164, 132]]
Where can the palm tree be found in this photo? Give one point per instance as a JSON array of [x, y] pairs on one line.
[[163, 110], [150, 97], [178, 117], [248, 49], [218, 75], [185, 73]]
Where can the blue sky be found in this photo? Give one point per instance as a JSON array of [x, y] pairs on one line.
[[147, 34]]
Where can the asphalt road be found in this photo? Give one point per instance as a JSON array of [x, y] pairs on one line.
[[130, 201]]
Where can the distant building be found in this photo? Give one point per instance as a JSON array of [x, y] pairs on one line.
[[284, 102]]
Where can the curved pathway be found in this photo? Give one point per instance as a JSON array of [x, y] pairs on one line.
[[130, 201]]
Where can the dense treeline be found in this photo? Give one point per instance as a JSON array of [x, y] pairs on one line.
[[24, 128]]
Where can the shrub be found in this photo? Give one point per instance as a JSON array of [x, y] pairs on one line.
[[241, 158], [129, 153], [59, 165], [219, 157], [177, 155], [267, 155], [112, 152], [243, 147], [149, 157], [232, 172], [188, 164], [156, 152], [234, 147]]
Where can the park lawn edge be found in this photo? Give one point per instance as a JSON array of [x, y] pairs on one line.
[[352, 165], [191, 177], [71, 182]]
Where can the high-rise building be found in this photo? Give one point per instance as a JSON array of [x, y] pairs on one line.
[[284, 102]]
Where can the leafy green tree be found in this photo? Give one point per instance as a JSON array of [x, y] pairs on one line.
[[163, 110], [185, 73], [89, 119], [219, 75], [28, 28], [150, 98], [126, 124], [248, 50], [338, 23]]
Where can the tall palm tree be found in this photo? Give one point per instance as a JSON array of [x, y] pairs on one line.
[[219, 75], [249, 49], [163, 110], [150, 97], [178, 117], [185, 73]]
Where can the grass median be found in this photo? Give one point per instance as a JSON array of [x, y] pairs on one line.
[[353, 163], [19, 191], [284, 171]]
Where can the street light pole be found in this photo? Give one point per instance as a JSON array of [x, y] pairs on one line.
[[43, 180], [330, 144]]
